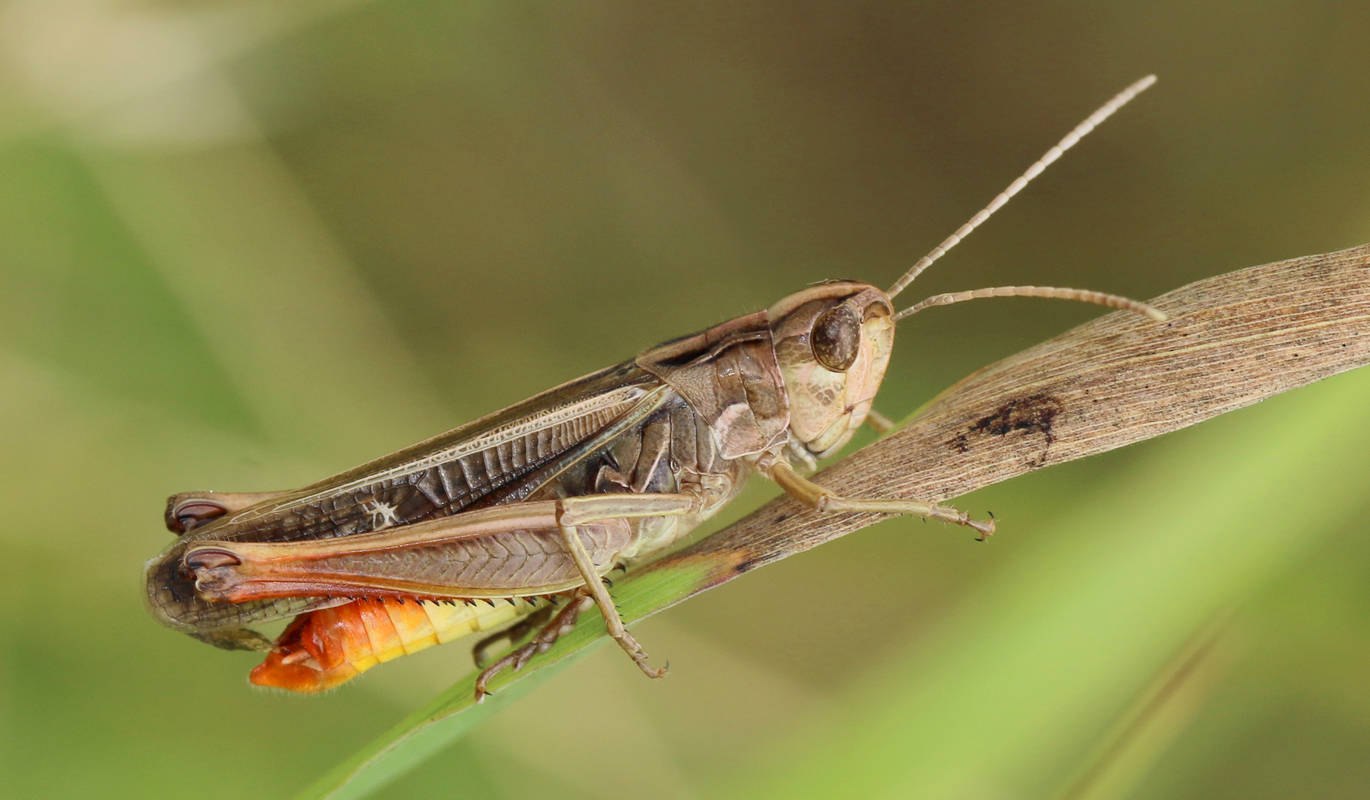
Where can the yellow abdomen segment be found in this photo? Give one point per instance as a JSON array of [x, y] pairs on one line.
[[328, 647]]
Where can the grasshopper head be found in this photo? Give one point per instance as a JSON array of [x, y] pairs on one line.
[[832, 342]]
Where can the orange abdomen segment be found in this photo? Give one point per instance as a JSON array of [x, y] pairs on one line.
[[325, 648]]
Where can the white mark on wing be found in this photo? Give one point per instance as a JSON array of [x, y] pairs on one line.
[[382, 514]]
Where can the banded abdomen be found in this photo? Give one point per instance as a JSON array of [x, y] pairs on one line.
[[328, 647]]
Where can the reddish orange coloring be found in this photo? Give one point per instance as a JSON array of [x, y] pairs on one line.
[[326, 648]]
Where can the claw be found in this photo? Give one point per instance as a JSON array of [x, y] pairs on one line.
[[986, 528]]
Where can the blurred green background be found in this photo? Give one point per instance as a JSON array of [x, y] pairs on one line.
[[250, 244]]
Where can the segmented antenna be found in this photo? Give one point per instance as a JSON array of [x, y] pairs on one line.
[[1053, 292], [1091, 122]]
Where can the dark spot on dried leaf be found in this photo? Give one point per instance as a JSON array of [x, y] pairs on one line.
[[1034, 413]]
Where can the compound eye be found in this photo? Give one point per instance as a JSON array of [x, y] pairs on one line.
[[836, 337]]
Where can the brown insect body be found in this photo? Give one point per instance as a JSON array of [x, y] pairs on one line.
[[544, 498], [689, 417]]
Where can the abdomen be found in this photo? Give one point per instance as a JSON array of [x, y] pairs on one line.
[[328, 647]]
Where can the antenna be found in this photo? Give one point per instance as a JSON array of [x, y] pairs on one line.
[[1052, 292], [1091, 122]]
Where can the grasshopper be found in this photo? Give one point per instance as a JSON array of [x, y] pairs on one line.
[[517, 518]]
